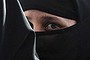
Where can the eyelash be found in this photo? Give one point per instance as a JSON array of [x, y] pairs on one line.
[[47, 23]]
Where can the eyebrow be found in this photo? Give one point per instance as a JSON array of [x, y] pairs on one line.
[[49, 18]]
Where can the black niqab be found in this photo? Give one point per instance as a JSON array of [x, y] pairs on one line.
[[72, 43], [68, 44]]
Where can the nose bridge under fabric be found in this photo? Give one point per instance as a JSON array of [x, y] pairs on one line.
[[18, 38]]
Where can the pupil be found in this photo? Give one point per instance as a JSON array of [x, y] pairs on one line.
[[53, 26]]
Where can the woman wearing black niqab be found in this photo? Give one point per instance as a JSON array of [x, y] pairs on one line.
[[72, 43]]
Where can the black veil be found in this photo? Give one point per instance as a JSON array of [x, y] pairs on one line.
[[17, 40]]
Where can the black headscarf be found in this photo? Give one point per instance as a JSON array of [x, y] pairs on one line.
[[64, 8], [72, 43]]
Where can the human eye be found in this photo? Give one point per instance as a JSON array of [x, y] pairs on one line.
[[53, 26]]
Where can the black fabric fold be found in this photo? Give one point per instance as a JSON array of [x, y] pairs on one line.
[[15, 44], [1, 17]]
